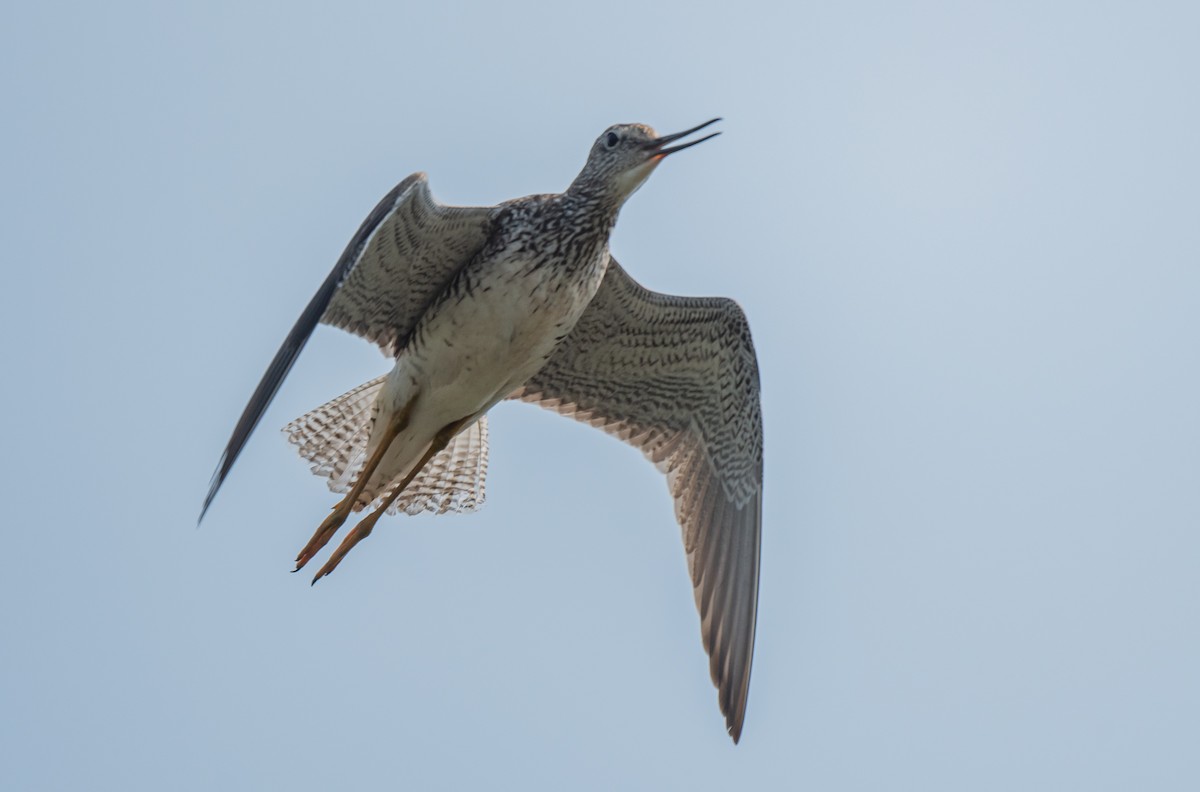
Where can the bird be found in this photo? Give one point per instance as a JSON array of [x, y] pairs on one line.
[[524, 301]]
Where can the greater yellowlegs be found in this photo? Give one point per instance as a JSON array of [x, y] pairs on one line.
[[523, 301]]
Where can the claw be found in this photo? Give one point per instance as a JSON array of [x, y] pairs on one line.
[[360, 532], [324, 533]]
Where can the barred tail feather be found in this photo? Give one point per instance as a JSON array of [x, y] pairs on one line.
[[453, 481], [334, 437]]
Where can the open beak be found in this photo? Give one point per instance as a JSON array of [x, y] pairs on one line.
[[656, 145]]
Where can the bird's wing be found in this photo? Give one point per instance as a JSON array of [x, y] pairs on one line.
[[405, 252], [677, 377]]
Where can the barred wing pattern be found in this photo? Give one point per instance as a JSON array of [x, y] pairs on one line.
[[403, 255], [677, 377], [405, 263]]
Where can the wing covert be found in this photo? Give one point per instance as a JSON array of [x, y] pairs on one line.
[[403, 262]]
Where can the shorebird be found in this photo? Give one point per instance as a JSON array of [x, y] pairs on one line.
[[524, 301]]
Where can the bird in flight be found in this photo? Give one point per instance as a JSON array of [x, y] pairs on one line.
[[524, 301]]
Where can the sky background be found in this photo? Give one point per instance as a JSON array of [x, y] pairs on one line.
[[967, 237]]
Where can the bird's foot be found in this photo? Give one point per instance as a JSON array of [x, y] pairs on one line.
[[360, 532], [324, 533]]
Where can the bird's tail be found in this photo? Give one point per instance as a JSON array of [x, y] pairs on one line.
[[334, 437]]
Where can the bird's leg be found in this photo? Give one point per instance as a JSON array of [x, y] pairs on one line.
[[346, 505], [367, 524]]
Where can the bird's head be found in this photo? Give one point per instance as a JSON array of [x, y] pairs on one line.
[[625, 155]]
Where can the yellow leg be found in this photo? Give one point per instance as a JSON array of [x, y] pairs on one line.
[[367, 524], [346, 505]]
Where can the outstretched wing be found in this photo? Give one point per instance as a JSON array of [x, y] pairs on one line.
[[677, 377], [405, 252]]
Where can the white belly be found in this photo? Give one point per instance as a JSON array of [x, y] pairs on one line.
[[470, 354]]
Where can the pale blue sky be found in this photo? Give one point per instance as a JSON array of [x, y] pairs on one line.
[[967, 239]]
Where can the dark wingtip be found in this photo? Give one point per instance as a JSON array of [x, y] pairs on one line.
[[208, 499], [214, 484]]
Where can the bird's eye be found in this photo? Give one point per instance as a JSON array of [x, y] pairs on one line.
[[611, 140]]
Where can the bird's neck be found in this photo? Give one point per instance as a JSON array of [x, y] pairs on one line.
[[595, 195], [593, 203]]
